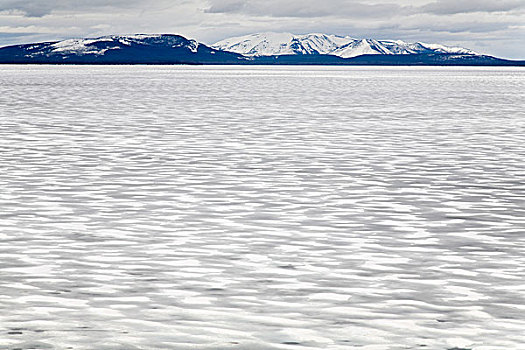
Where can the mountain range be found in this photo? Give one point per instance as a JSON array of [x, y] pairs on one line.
[[255, 49], [270, 44]]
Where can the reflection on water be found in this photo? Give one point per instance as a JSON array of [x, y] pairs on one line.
[[261, 208]]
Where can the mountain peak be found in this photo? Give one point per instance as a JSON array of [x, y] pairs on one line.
[[270, 44], [100, 45]]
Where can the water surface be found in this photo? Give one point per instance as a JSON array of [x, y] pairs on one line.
[[146, 207]]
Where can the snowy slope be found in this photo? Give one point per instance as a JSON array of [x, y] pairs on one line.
[[269, 44], [99, 46], [139, 48]]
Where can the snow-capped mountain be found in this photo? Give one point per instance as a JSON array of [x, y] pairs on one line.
[[100, 46], [138, 48], [257, 49], [270, 44]]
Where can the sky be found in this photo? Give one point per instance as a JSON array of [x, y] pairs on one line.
[[494, 27]]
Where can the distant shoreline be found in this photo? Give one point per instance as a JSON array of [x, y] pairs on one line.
[[517, 64]]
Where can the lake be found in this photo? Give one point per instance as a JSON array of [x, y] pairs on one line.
[[178, 207]]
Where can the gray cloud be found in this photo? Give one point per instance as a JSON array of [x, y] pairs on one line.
[[304, 8], [227, 6], [352, 8], [39, 8], [449, 7]]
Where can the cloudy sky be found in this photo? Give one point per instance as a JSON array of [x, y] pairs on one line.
[[495, 27]]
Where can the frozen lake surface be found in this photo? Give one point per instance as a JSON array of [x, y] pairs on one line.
[[148, 207]]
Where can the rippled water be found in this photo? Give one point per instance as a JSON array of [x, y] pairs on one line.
[[148, 207]]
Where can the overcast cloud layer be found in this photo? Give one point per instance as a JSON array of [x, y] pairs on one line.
[[487, 26]]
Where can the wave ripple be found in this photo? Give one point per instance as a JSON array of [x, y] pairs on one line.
[[261, 208]]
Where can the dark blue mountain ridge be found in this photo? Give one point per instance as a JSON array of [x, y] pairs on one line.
[[176, 49], [117, 49], [426, 59]]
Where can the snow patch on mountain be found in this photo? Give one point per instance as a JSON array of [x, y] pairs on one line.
[[270, 44], [449, 49], [81, 46], [100, 46]]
